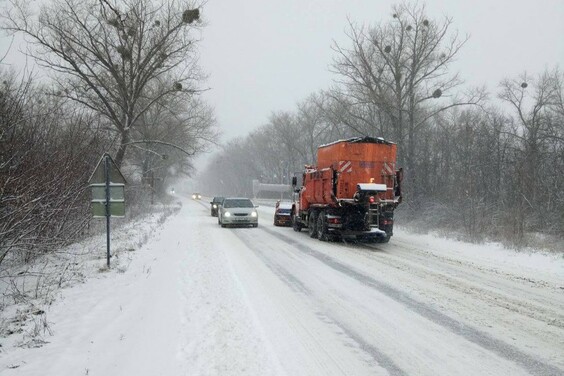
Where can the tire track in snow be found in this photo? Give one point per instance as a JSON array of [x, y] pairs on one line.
[[403, 247], [476, 271], [534, 308], [472, 334], [517, 313], [297, 286]]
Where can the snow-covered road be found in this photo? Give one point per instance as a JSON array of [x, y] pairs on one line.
[[203, 300]]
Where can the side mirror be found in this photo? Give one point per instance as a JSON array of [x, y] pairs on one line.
[[294, 181]]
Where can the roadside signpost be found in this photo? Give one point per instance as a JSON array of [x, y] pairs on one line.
[[108, 194]]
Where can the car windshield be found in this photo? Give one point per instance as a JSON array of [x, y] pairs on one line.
[[217, 199], [238, 203], [284, 211]]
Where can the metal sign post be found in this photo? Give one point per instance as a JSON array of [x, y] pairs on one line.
[[108, 214], [108, 194]]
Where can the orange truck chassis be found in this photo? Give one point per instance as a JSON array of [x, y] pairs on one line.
[[351, 193]]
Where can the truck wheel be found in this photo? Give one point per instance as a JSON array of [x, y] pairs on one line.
[[322, 227], [381, 239], [312, 224], [296, 225]]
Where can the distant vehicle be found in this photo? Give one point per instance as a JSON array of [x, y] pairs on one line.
[[237, 211], [283, 214], [215, 203], [196, 196]]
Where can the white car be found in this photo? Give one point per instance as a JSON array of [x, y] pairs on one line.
[[237, 211]]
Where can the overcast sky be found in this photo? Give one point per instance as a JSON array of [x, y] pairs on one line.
[[266, 55]]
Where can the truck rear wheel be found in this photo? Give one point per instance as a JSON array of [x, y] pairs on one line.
[[312, 224], [296, 225], [384, 239], [322, 227]]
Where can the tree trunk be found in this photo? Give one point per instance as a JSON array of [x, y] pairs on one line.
[[121, 150]]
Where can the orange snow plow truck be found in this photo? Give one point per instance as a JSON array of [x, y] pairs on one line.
[[351, 193]]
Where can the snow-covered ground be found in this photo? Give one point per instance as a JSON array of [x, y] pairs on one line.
[[198, 299]]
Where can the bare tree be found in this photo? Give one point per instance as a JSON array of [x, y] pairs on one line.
[[46, 152], [106, 53], [316, 125], [182, 126], [401, 69], [350, 117], [535, 103]]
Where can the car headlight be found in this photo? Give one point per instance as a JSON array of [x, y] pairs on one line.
[[214, 206], [227, 214], [254, 214], [193, 196]]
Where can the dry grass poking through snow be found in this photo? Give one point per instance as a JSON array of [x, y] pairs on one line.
[[28, 290]]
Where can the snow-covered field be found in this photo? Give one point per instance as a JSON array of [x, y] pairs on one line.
[[198, 299]]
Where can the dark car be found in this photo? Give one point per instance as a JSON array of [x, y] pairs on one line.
[[215, 205], [283, 214]]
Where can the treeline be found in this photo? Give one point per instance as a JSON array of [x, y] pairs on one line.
[[49, 147], [485, 165], [124, 79], [46, 154]]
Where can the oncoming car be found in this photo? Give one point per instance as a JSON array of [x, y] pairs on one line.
[[237, 211], [196, 196], [282, 214], [215, 203]]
